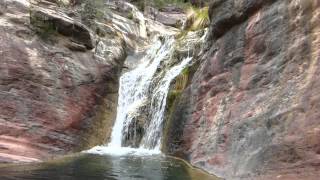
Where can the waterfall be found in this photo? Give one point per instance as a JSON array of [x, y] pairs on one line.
[[134, 86], [136, 90], [152, 137], [143, 93]]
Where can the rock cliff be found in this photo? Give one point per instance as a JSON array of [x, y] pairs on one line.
[[251, 108], [57, 95]]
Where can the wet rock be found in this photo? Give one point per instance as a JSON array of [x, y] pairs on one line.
[[135, 129]]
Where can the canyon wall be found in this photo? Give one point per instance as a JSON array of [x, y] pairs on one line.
[[251, 108], [58, 82]]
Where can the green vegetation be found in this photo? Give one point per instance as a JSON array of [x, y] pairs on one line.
[[62, 3], [130, 15], [140, 4], [172, 96], [186, 71], [46, 32], [91, 10], [181, 81], [197, 18], [45, 29], [179, 85]]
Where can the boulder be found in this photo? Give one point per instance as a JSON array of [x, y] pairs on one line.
[[167, 16], [46, 20]]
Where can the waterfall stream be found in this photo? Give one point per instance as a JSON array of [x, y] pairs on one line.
[[152, 137], [137, 90], [143, 91], [134, 87]]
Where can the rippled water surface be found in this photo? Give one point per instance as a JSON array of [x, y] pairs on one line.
[[104, 167]]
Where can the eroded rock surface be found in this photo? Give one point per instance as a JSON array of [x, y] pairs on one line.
[[252, 108], [169, 16], [56, 94], [49, 19]]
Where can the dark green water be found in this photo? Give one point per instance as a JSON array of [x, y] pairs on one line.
[[98, 167]]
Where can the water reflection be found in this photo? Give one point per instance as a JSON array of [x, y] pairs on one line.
[[97, 167]]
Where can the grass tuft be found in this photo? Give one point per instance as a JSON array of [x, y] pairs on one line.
[[198, 18]]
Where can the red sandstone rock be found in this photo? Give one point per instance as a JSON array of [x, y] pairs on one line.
[[52, 100], [252, 108]]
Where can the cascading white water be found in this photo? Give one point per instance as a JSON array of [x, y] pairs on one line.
[[134, 86], [134, 91], [143, 91], [152, 137], [142, 21]]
